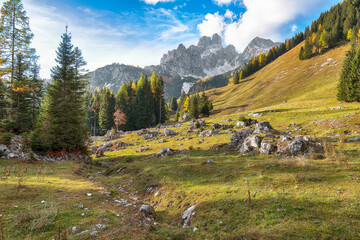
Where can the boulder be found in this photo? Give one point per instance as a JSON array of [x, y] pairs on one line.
[[185, 117], [239, 138], [147, 209], [268, 147], [263, 127], [251, 143], [100, 152], [208, 133], [294, 148], [143, 149], [4, 148], [186, 216], [354, 139], [165, 151], [169, 132], [202, 123], [240, 124], [216, 126]]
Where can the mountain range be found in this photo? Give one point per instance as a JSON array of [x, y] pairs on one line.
[[182, 67]]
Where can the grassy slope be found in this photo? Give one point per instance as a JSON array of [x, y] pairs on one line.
[[295, 198]]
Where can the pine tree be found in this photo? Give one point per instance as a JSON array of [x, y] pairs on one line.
[[15, 40], [236, 78], [62, 122], [157, 89]]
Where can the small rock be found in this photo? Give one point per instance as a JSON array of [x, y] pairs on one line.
[[169, 132], [89, 194], [337, 108], [209, 161], [93, 233], [101, 226], [146, 209], [229, 120], [74, 230], [186, 216], [195, 229], [43, 201], [354, 139]]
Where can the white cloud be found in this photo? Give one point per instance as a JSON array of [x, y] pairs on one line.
[[224, 2], [294, 28], [213, 23], [154, 2], [229, 14], [262, 18]]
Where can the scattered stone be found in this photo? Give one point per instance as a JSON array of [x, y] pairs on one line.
[[93, 233], [89, 194], [185, 118], [101, 226], [251, 143], [239, 138], [83, 232], [43, 201], [208, 133], [229, 120], [216, 125], [74, 230], [268, 147], [143, 149], [209, 161], [256, 114], [262, 126], [354, 139], [100, 152], [111, 135], [169, 132], [186, 216], [195, 229], [147, 209], [165, 151], [178, 125], [337, 108]]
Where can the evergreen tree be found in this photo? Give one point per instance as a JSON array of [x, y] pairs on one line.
[[15, 39], [236, 78], [107, 109], [342, 94], [193, 109], [173, 104], [144, 104], [204, 105], [62, 122], [157, 89], [353, 82]]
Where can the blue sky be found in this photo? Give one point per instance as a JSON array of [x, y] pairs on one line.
[[139, 32]]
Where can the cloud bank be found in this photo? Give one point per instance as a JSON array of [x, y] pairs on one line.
[[262, 18]]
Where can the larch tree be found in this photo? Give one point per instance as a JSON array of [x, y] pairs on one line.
[[15, 40]]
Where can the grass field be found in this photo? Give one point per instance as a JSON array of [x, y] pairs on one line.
[[236, 197]]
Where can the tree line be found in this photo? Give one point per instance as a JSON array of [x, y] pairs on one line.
[[140, 104], [263, 59], [21, 88], [340, 23], [194, 106], [54, 113]]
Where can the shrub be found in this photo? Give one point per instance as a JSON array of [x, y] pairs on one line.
[[5, 138], [1, 154], [191, 148], [197, 124], [247, 121]]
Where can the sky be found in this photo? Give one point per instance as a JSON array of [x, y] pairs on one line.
[[139, 32]]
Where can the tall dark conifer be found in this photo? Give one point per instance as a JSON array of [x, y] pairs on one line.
[[62, 125]]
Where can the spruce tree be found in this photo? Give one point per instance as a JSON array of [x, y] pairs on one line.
[[236, 78], [173, 104], [342, 94], [204, 105], [62, 122], [157, 89], [353, 82], [107, 109], [144, 104], [193, 109]]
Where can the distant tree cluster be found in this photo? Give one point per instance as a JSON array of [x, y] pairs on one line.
[[137, 105], [194, 105], [340, 23], [263, 59]]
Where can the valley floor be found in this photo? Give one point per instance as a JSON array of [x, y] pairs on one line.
[[290, 198]]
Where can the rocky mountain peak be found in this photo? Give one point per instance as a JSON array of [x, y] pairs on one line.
[[214, 41]]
